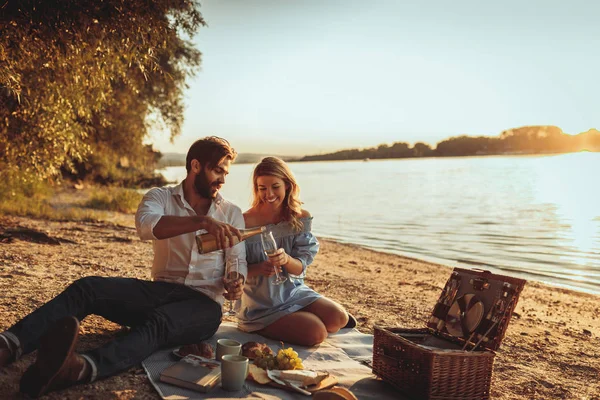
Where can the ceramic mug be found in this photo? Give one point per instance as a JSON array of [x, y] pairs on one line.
[[234, 370], [228, 346]]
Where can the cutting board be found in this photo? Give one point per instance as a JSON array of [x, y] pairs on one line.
[[324, 384]]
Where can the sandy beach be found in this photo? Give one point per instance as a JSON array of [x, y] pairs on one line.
[[551, 350]]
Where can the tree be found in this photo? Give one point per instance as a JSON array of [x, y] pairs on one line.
[[83, 77], [422, 150]]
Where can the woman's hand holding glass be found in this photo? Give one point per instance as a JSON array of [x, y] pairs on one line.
[[279, 258], [266, 268], [273, 253]]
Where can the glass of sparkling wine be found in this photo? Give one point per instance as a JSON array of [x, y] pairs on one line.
[[270, 248], [232, 274]]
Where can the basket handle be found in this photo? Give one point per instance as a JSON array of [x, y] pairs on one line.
[[391, 361], [394, 362]]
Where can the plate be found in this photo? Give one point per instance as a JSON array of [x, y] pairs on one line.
[[472, 316], [177, 354], [194, 359]]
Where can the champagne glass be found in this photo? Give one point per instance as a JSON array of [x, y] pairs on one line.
[[232, 274], [270, 248]]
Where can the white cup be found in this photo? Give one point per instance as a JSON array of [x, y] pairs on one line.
[[228, 346], [234, 370]]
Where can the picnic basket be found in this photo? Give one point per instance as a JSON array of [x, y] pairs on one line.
[[453, 356]]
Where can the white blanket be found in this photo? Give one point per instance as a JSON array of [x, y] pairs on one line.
[[340, 355]]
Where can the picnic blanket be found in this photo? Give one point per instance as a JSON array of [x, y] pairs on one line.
[[343, 355]]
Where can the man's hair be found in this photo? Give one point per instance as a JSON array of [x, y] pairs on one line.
[[210, 152]]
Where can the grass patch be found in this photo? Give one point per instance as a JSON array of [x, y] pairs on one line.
[[114, 199], [41, 209], [42, 200]]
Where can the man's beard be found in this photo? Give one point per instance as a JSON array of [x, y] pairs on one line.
[[203, 187]]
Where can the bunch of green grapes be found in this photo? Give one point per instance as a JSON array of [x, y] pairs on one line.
[[288, 359], [265, 359]]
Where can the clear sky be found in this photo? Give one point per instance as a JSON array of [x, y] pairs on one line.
[[313, 76]]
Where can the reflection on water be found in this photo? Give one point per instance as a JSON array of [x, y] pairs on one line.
[[537, 216]]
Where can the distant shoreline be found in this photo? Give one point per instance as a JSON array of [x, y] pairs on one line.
[[291, 159]]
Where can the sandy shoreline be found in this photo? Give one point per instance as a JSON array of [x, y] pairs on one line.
[[551, 350]]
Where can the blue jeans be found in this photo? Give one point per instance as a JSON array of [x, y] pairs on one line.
[[160, 314]]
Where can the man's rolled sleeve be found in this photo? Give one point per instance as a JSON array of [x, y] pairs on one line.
[[149, 212]]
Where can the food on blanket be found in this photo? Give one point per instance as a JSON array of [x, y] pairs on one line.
[[335, 393], [285, 359], [201, 349], [265, 361], [302, 378], [253, 350], [288, 359], [258, 374]]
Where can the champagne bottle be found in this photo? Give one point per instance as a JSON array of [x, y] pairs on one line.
[[207, 242]]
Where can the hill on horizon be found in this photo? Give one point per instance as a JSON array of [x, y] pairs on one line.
[[178, 159]]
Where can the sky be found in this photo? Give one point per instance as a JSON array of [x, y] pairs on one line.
[[312, 76]]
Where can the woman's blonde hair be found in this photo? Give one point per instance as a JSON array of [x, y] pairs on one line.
[[291, 208]]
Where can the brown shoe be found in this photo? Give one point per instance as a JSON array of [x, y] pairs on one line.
[[7, 351], [57, 365], [6, 355]]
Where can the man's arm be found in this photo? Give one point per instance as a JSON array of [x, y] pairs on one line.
[[171, 225], [152, 223]]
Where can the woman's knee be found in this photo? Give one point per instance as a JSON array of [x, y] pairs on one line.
[[336, 320], [333, 315], [310, 337], [316, 336]]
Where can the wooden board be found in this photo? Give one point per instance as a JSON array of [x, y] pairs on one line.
[[324, 384]]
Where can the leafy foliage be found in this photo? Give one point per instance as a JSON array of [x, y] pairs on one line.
[[83, 78]]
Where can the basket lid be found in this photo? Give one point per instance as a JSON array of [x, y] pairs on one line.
[[475, 307]]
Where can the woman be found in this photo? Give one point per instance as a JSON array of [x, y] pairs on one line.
[[291, 312]]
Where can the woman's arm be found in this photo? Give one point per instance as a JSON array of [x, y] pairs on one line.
[[292, 265], [301, 255], [264, 268]]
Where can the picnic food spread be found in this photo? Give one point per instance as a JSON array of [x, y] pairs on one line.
[[200, 349], [249, 349], [285, 359], [284, 369]]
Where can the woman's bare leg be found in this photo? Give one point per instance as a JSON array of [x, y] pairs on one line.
[[301, 328], [332, 314]]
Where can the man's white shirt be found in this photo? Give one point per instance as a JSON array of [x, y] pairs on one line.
[[177, 259]]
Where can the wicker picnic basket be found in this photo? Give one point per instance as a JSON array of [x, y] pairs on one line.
[[453, 357]]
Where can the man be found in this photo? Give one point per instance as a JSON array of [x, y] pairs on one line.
[[182, 305]]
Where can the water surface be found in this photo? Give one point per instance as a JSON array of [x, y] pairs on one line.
[[532, 216]]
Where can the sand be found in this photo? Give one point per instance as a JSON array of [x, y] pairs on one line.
[[551, 349]]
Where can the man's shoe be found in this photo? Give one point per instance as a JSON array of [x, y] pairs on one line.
[[6, 355], [57, 365]]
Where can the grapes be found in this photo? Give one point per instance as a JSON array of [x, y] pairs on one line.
[[284, 360]]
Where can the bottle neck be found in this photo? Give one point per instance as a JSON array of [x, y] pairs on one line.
[[246, 233]]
